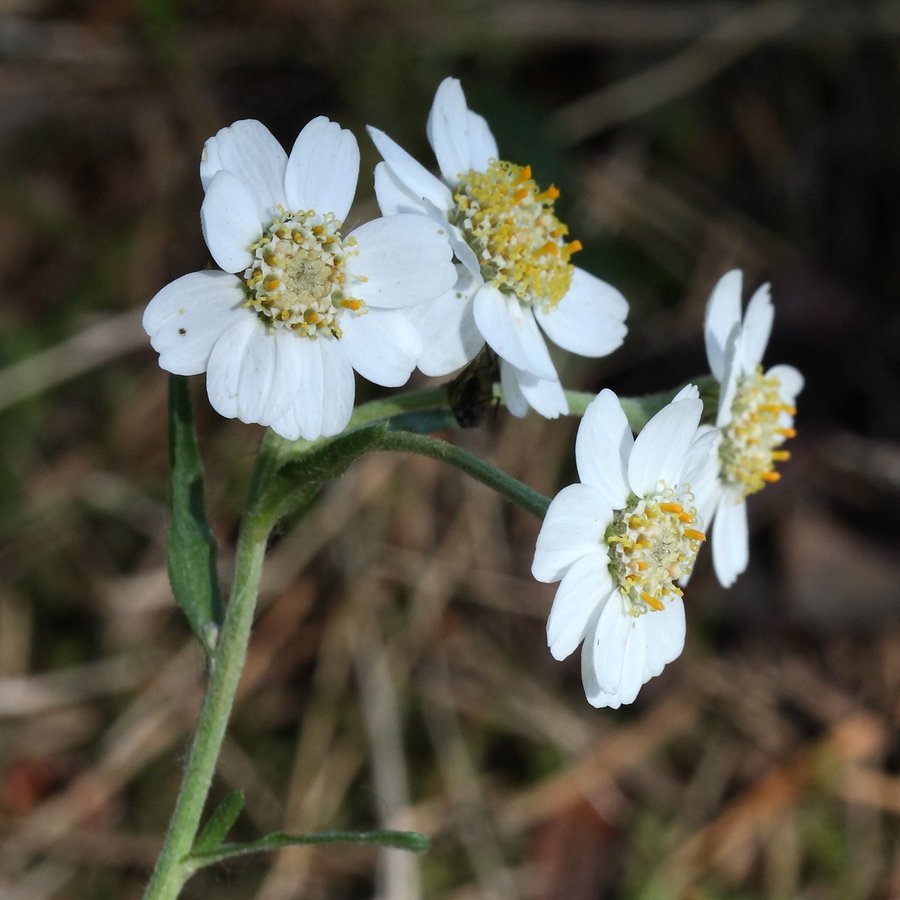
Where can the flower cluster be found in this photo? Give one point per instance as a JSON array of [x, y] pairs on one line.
[[477, 257], [623, 542]]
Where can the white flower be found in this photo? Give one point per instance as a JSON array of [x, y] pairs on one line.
[[299, 305], [514, 260], [754, 418], [621, 541]]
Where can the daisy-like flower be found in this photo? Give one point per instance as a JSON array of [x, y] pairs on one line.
[[755, 417], [515, 269], [622, 542], [298, 304]]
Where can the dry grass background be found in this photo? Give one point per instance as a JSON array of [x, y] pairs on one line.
[[398, 673]]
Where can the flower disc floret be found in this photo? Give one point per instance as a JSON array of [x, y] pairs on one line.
[[751, 440], [651, 546], [515, 234], [298, 278]]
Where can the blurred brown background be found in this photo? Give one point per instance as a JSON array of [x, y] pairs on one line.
[[398, 673]]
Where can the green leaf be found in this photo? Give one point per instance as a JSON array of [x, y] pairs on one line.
[[401, 840], [219, 823], [192, 545]]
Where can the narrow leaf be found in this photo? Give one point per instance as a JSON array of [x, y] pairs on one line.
[[192, 545], [219, 823], [401, 840]]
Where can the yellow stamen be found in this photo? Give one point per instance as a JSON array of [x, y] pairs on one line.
[[355, 305], [524, 175], [781, 455], [672, 507], [652, 601], [687, 518], [771, 477], [694, 535], [788, 432]]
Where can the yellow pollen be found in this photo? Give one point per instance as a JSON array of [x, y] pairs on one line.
[[512, 227], [297, 276], [751, 440], [650, 548]]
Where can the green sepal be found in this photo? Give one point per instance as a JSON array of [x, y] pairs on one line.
[[191, 552], [400, 840], [219, 824]]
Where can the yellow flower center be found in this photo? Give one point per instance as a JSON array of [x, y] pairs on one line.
[[760, 423], [651, 545], [298, 278], [510, 224]]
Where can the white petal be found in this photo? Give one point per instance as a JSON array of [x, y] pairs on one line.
[[286, 382], [672, 629], [757, 325], [249, 150], [730, 541], [186, 318], [589, 320], [728, 386], [410, 174], [790, 381], [381, 345], [688, 392], [230, 221], [513, 398], [602, 448], [482, 145], [339, 388], [545, 396], [665, 637], [573, 527], [324, 400], [446, 325], [635, 662], [449, 123], [615, 630], [393, 197], [256, 378], [701, 462], [723, 316], [585, 586], [323, 169], [512, 333], [660, 449], [404, 259], [223, 374]]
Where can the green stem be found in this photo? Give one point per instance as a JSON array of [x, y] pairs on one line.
[[225, 668], [511, 488]]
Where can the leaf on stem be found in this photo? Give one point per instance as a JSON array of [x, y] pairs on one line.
[[192, 545], [219, 824], [401, 840]]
